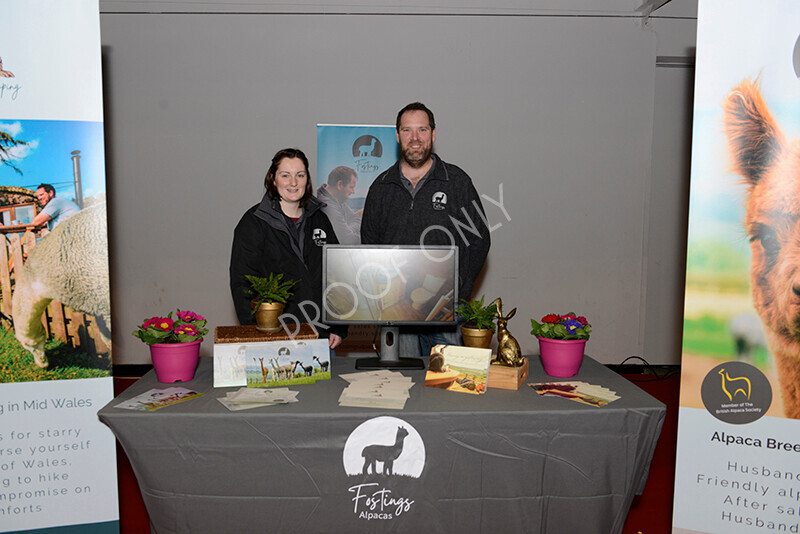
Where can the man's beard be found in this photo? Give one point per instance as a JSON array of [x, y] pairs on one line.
[[415, 162]]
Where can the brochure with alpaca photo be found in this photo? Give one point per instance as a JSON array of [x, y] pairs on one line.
[[230, 364], [286, 363], [455, 368], [158, 398]]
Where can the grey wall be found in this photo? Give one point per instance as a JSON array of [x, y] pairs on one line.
[[560, 105]]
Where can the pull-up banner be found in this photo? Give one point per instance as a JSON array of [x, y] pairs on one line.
[[358, 153], [738, 457], [57, 461]]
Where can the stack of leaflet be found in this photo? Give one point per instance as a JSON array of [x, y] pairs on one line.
[[590, 394], [382, 389], [246, 398]]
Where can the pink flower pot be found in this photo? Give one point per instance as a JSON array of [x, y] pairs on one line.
[[561, 357], [175, 362]]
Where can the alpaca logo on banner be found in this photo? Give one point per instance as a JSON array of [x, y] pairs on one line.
[[366, 150], [736, 392], [378, 452]]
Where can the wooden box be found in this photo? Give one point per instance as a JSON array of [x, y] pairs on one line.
[[250, 334], [503, 377]]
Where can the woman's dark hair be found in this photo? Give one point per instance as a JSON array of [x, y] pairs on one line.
[[269, 179]]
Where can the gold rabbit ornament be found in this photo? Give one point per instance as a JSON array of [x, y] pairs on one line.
[[508, 351]]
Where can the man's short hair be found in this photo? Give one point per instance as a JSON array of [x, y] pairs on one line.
[[269, 179], [416, 106], [341, 174], [47, 188]]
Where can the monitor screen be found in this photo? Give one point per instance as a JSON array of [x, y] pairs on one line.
[[389, 284]]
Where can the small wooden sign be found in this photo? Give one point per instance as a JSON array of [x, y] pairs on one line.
[[504, 377]]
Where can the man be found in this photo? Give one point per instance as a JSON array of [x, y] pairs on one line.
[[346, 223], [56, 210], [421, 200]]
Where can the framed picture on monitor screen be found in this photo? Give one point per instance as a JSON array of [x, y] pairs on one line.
[[390, 286]]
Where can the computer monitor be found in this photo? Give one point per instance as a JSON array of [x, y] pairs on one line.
[[389, 286]]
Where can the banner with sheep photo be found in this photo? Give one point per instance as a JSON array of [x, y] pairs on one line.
[[738, 454], [57, 461]]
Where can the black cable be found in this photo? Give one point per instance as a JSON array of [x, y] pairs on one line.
[[652, 369], [374, 338]]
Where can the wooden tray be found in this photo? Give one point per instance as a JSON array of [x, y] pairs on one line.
[[249, 334], [503, 377]]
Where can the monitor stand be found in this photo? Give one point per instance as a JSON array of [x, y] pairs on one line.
[[390, 354]]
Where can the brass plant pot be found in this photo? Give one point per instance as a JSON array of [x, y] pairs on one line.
[[477, 337], [267, 316]]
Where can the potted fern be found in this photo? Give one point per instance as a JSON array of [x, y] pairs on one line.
[[271, 294], [478, 327]]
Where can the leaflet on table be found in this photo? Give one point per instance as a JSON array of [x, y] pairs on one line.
[[245, 398], [376, 389], [271, 363], [158, 398], [583, 392], [455, 368]]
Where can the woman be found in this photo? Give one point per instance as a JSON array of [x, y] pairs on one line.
[[284, 233]]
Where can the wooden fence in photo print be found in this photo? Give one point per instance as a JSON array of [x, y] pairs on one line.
[[76, 329]]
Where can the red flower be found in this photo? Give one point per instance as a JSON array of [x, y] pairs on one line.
[[189, 316], [581, 319], [187, 329], [162, 323], [150, 322], [551, 318]]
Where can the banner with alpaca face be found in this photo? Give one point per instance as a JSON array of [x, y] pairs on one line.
[[57, 461], [739, 436]]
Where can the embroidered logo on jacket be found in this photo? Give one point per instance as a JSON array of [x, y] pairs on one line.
[[439, 200], [319, 236]]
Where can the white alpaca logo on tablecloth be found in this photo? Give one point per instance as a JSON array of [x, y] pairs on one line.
[[384, 446], [379, 451]]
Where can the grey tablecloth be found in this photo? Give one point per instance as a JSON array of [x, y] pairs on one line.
[[508, 460]]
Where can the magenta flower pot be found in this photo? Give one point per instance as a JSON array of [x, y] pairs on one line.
[[561, 357], [175, 362]]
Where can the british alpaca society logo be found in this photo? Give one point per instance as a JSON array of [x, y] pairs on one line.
[[378, 450]]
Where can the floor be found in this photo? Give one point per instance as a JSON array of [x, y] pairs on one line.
[[651, 512], [133, 518]]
